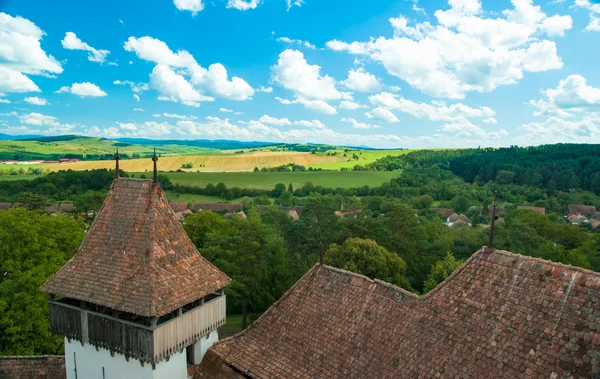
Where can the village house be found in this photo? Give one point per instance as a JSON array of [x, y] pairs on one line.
[[218, 207], [4, 206], [444, 212], [178, 207], [499, 315], [455, 219], [535, 209], [583, 210]]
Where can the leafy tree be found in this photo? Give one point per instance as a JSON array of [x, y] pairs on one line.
[[286, 199], [33, 246], [440, 271], [278, 190], [32, 201], [366, 257], [198, 225]]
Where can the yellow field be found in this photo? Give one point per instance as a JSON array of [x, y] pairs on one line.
[[211, 163]]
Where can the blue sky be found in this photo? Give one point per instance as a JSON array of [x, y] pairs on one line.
[[401, 73]]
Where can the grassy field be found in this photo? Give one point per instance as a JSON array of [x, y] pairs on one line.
[[205, 163], [233, 325], [365, 157], [24, 150], [267, 180]]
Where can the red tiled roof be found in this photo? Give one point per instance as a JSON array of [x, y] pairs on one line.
[[33, 367], [446, 212], [4, 206], [136, 257], [535, 209], [178, 207], [218, 207], [66, 207], [577, 209], [498, 315]]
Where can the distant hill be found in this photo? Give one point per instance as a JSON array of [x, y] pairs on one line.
[[211, 144], [10, 137]]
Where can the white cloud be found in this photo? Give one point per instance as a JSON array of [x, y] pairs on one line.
[[437, 111], [135, 87], [71, 42], [310, 124], [193, 6], [51, 123], [297, 42], [359, 125], [295, 74], [572, 95], [243, 5], [138, 109], [202, 84], [291, 3], [490, 120], [382, 114], [21, 53], [345, 104], [265, 89], [464, 128], [136, 97], [85, 89], [558, 130], [266, 119], [466, 51], [225, 110], [3, 100], [14, 81], [179, 117], [314, 105], [34, 100], [594, 9], [362, 81]]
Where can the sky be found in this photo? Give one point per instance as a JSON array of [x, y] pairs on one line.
[[385, 74]]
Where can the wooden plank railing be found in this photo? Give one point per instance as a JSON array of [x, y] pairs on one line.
[[65, 321], [188, 328]]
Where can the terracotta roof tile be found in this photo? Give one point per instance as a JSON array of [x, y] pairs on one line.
[[4, 206], [136, 257], [446, 212], [499, 314], [178, 207], [535, 209], [33, 367], [577, 209]]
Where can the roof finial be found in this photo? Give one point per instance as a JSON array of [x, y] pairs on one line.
[[491, 239], [117, 157], [154, 159]]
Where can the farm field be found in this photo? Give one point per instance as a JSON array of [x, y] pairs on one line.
[[82, 146], [268, 180], [204, 163], [365, 157]]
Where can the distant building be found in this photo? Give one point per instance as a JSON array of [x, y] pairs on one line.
[[178, 207], [535, 209], [457, 219], [4, 206], [218, 207], [498, 315], [585, 210], [66, 207], [445, 212]]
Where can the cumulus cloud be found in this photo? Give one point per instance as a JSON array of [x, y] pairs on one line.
[[314, 105], [265, 89], [193, 6], [34, 100], [359, 125], [292, 3], [594, 9], [382, 114], [135, 87], [350, 105], [51, 123], [178, 77], [291, 41], [293, 72], [71, 42], [21, 54], [85, 89], [362, 81], [572, 95], [556, 129], [437, 111], [466, 51], [243, 5], [465, 129], [266, 119]]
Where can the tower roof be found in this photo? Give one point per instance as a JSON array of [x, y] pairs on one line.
[[136, 257]]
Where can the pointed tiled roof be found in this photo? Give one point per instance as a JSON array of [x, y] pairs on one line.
[[136, 257], [499, 315]]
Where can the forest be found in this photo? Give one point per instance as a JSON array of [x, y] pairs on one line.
[[387, 232]]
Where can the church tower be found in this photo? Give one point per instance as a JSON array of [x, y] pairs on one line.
[[137, 300]]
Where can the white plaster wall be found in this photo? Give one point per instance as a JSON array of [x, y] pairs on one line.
[[90, 363], [203, 345]]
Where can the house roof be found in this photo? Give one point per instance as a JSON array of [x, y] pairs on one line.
[[66, 207], [446, 212], [501, 313], [294, 215], [458, 218], [595, 224], [218, 207], [136, 257], [578, 209], [178, 207], [4, 205], [576, 219], [33, 367], [535, 209], [52, 208]]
